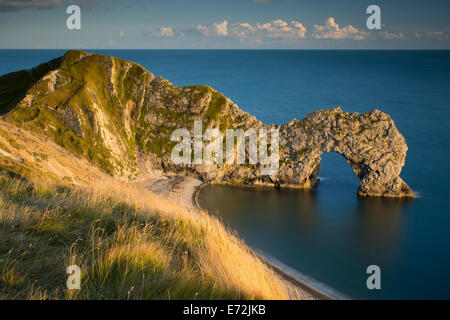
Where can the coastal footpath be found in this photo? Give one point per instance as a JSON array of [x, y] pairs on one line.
[[120, 117]]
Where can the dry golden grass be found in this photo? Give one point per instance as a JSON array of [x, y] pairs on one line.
[[129, 243]]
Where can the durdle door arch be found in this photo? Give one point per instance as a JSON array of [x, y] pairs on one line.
[[370, 143]]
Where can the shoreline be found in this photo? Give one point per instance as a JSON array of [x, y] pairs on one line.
[[313, 288], [186, 189]]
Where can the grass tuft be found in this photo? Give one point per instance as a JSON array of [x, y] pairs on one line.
[[128, 242]]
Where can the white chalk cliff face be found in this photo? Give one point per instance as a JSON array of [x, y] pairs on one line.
[[120, 117]]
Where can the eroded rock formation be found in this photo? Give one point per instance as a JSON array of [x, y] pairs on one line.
[[120, 117], [369, 142]]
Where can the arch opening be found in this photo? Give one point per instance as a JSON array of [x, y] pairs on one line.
[[335, 172]]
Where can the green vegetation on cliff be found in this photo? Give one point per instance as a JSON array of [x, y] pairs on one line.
[[107, 110]]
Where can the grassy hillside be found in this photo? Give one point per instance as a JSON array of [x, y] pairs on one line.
[[57, 209], [129, 243]]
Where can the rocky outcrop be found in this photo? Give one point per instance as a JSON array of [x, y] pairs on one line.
[[369, 142], [120, 117]]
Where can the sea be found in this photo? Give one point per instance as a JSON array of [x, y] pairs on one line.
[[328, 234]]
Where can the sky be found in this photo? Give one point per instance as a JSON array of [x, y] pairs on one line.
[[225, 24]]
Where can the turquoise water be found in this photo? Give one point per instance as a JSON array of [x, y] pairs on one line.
[[330, 234]]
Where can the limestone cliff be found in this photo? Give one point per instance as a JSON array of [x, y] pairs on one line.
[[119, 116]]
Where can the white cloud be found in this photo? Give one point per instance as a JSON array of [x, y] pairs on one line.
[[276, 29], [221, 28], [15, 5], [439, 35], [393, 36], [280, 30], [331, 30], [165, 32], [217, 29]]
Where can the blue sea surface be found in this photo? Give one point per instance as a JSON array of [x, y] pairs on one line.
[[328, 233]]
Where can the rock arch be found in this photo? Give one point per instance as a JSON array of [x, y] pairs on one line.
[[370, 143]]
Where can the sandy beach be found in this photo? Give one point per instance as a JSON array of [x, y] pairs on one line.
[[178, 188], [184, 189]]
